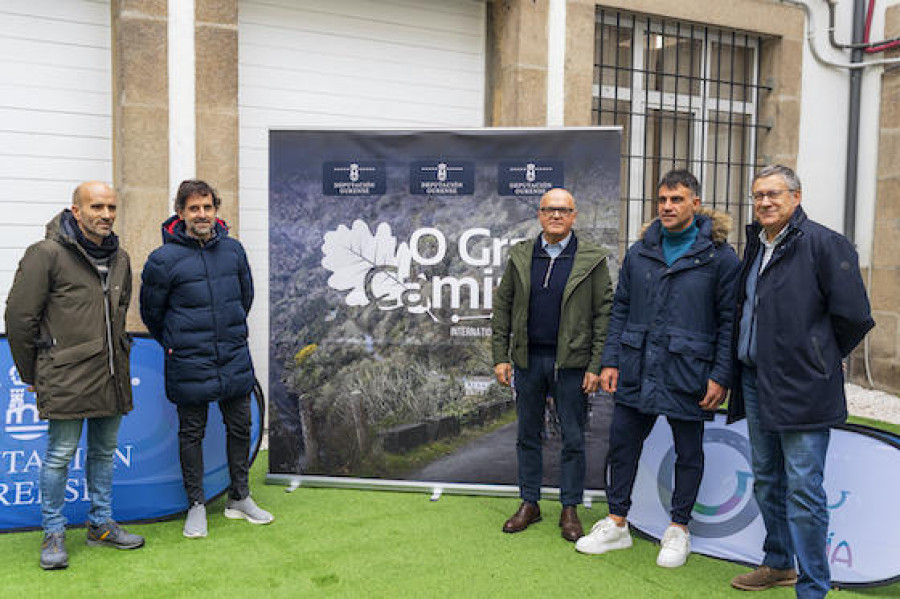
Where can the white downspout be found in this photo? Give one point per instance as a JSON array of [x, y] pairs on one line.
[[182, 104], [556, 63]]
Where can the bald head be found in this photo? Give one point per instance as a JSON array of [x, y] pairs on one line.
[[556, 195], [94, 208], [86, 189], [557, 214]]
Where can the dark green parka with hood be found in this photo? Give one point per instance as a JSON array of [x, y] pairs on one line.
[[67, 335], [584, 313]]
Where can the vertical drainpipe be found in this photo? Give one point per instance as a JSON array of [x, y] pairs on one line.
[[850, 182]]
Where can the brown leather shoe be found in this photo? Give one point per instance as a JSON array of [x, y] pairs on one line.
[[528, 513], [570, 524], [764, 578]]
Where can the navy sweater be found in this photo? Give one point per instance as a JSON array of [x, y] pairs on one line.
[[548, 281]]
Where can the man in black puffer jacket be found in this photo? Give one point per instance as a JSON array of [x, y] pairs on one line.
[[196, 291]]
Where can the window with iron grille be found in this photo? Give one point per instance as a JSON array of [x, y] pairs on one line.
[[686, 96]]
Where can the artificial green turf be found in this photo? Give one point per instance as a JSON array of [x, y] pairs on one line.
[[888, 426], [328, 542]]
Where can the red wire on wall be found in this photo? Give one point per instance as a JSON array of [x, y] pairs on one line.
[[880, 48]]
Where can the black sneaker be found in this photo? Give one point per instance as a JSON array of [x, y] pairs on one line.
[[53, 551], [112, 535]]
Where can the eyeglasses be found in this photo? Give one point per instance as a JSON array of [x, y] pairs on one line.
[[759, 196], [549, 210]]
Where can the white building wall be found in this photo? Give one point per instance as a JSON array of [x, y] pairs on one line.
[[55, 115], [345, 64], [824, 117]]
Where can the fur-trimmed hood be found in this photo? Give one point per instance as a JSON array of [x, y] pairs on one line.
[[720, 224]]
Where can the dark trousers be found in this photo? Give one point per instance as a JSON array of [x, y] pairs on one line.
[[191, 429], [629, 430], [533, 385]]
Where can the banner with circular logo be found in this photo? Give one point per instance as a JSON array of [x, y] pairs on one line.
[[147, 480], [862, 480]]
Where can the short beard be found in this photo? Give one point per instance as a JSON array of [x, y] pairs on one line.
[[195, 231]]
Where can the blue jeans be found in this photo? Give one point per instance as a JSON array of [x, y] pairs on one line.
[[628, 432], [533, 385], [789, 469], [62, 441]]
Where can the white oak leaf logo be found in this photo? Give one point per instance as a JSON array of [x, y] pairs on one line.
[[371, 267]]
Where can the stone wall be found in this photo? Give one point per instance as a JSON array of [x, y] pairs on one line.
[[141, 118], [884, 285], [140, 130]]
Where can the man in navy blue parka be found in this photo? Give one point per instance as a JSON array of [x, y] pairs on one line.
[[668, 352], [802, 307], [196, 291]]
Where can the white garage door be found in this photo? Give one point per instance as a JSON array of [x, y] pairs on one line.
[[55, 114], [346, 64]]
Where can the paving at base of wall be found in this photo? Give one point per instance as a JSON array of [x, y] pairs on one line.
[[871, 403]]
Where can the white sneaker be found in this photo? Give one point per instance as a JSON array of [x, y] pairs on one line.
[[195, 522], [247, 509], [676, 546], [605, 536]]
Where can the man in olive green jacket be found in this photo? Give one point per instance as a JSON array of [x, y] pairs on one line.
[[552, 307], [65, 320]]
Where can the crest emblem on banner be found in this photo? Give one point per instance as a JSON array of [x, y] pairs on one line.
[[22, 420]]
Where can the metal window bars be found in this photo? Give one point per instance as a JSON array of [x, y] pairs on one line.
[[686, 96]]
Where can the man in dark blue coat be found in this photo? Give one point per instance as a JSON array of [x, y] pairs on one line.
[[802, 308], [196, 291], [668, 352]]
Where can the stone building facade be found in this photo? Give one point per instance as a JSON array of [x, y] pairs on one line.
[[517, 67]]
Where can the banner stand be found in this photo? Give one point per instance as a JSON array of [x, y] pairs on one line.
[[147, 485], [436, 489], [384, 262]]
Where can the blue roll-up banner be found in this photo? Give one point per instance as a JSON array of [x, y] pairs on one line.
[[862, 480], [147, 481]]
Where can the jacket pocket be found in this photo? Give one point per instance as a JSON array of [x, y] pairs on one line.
[[818, 356], [631, 349], [581, 338], [73, 379], [77, 353], [689, 364]]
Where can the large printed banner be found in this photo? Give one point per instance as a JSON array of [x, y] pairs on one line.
[[385, 250], [147, 479], [862, 480]]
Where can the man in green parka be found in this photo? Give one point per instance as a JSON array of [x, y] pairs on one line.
[[549, 325], [65, 319]]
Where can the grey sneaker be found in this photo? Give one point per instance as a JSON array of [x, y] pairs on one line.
[[246, 508], [53, 551], [195, 522], [112, 535]]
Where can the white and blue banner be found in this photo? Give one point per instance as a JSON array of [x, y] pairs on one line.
[[862, 480], [147, 480]]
